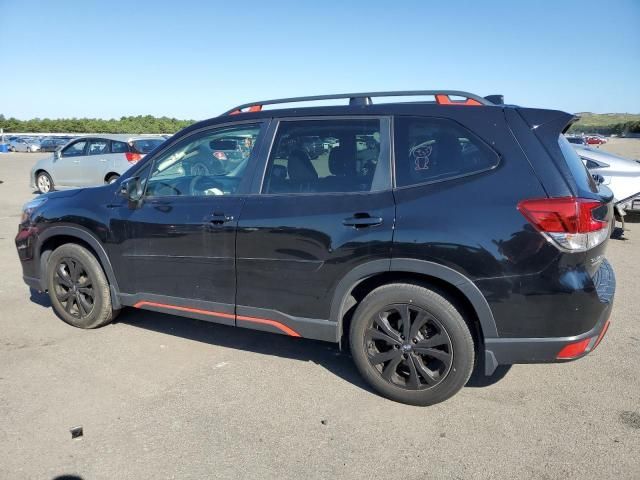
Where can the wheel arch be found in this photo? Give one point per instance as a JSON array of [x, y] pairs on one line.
[[53, 237], [373, 274]]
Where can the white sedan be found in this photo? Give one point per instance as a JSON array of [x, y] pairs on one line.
[[24, 145]]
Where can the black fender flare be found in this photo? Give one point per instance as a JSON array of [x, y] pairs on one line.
[[87, 237], [436, 270]]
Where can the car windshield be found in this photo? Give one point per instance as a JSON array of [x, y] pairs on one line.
[[146, 145]]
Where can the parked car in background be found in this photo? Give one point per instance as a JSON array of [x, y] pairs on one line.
[[24, 145], [53, 143], [595, 139], [621, 175], [219, 156], [90, 161], [576, 140]]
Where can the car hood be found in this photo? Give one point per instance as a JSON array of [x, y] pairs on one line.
[[62, 193]]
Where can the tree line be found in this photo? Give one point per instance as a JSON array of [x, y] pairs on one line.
[[151, 124], [132, 124]]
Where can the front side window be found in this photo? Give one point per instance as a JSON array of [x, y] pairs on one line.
[[75, 149], [436, 149], [98, 147], [328, 156], [206, 163]]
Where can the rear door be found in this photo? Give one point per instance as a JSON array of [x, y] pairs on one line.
[[312, 220]]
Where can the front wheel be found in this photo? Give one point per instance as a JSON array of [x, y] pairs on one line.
[[78, 287], [44, 182], [411, 344]]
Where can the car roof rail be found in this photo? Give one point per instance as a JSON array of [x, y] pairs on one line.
[[442, 97]]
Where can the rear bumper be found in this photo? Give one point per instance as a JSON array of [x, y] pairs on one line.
[[508, 351]]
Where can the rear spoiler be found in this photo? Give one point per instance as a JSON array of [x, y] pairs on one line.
[[548, 120]]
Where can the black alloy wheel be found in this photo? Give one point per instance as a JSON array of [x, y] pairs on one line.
[[409, 347], [74, 288]]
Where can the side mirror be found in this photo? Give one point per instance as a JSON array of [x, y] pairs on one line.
[[598, 178], [132, 189], [57, 155]]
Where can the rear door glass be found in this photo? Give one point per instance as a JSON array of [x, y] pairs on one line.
[[437, 149]]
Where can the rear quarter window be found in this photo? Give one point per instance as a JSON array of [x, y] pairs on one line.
[[577, 168], [119, 147], [437, 149]]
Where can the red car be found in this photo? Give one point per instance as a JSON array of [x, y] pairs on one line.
[[595, 139]]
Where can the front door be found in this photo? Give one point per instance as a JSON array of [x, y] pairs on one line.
[[314, 218], [95, 164], [179, 250], [66, 167]]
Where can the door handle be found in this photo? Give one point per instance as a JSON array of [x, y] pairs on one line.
[[220, 218], [362, 220], [103, 159], [76, 161]]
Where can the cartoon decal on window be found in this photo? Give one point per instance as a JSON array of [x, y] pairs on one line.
[[422, 157]]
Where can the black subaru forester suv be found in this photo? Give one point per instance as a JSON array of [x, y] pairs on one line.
[[436, 236]]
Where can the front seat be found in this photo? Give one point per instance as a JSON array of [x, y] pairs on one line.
[[302, 176], [342, 165]]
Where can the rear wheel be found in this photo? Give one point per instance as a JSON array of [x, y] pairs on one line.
[[44, 182], [411, 344], [78, 288], [112, 178]]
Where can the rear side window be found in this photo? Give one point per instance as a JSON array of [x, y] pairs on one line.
[[329, 156], [119, 147], [436, 149], [146, 145], [98, 147]]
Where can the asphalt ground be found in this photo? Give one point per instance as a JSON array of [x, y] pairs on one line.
[[160, 396]]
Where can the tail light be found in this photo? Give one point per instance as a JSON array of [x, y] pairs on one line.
[[220, 155], [133, 157], [573, 224]]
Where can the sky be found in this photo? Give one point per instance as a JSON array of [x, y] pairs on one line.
[[196, 59]]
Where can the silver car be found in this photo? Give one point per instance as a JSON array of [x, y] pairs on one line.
[[24, 145], [90, 161], [621, 175]]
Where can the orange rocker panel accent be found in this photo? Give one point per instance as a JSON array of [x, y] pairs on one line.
[[265, 321]]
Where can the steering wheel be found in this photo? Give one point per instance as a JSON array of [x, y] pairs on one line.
[[202, 185], [165, 189]]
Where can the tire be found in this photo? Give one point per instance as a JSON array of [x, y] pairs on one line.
[[435, 360], [44, 183], [112, 178], [612, 228], [78, 287]]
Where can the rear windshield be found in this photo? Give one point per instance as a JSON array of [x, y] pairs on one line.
[[147, 144], [578, 169]]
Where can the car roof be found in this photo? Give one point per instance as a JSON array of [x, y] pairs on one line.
[[605, 157], [122, 137]]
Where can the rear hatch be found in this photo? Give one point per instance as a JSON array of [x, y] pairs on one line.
[[577, 214]]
